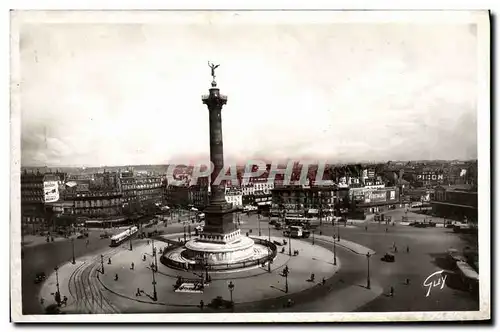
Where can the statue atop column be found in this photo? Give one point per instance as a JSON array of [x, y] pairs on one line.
[[213, 67]]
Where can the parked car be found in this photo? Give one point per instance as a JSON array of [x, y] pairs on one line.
[[40, 277], [220, 303], [388, 257]]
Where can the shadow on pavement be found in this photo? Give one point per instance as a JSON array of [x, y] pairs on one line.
[[443, 261], [272, 286], [321, 260], [454, 281]]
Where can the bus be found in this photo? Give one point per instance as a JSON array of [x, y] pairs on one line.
[[296, 232], [117, 239]]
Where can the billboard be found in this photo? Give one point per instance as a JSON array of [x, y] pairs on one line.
[[376, 196], [51, 191]]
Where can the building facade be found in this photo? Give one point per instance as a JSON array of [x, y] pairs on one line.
[[234, 196], [141, 189], [37, 191], [456, 202], [303, 200]]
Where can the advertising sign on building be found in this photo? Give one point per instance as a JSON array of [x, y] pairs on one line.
[[376, 196], [430, 175], [392, 195], [51, 191]]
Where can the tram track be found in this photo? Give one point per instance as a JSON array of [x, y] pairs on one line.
[[86, 291]]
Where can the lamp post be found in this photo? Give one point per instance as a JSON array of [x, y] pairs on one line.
[[130, 241], [155, 297], [368, 270], [320, 210], [102, 264], [156, 259], [231, 288], [207, 277], [73, 246], [189, 230], [184, 233], [289, 241], [334, 251], [338, 231], [259, 228], [57, 279], [269, 263], [313, 235], [285, 273]]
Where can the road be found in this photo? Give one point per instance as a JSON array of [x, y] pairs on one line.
[[426, 255], [46, 256], [428, 248]]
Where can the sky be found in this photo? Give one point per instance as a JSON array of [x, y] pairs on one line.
[[124, 94]]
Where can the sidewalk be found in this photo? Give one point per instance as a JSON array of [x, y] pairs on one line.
[[352, 246]]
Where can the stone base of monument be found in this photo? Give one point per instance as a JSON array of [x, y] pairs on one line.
[[214, 255]]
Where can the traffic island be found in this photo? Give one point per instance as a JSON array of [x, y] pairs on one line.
[[150, 287]]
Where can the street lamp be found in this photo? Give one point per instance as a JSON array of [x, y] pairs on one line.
[[313, 235], [131, 241], [285, 274], [259, 228], [73, 246], [269, 230], [334, 251], [156, 260], [102, 264], [368, 270], [57, 280], [231, 288], [338, 231], [289, 241], [155, 297]]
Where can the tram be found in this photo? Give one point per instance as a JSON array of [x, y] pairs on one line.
[[117, 239]]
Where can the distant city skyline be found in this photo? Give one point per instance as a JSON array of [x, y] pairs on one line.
[[130, 94]]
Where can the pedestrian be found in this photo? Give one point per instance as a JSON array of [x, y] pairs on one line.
[[366, 228], [202, 304], [148, 242], [407, 249], [386, 229], [395, 249], [42, 301], [407, 281], [65, 300], [323, 281], [138, 292], [392, 292], [109, 260], [116, 276], [132, 266]]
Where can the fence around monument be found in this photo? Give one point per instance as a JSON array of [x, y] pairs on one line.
[[222, 267]]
